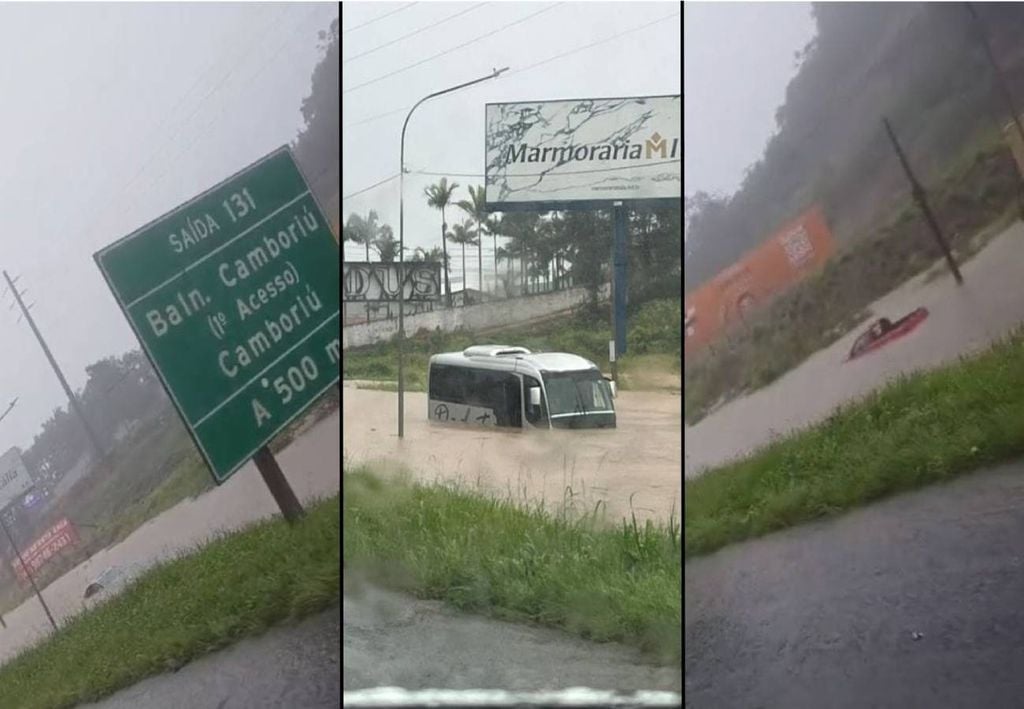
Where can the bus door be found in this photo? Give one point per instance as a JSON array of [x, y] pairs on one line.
[[536, 416]]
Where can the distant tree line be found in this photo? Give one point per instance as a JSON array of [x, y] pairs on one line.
[[119, 392], [540, 250], [920, 64]]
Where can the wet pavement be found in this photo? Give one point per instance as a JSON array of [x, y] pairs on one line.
[[961, 320], [290, 667], [394, 640], [916, 601]]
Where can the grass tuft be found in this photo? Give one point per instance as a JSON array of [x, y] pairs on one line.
[[237, 585], [919, 429], [494, 556]]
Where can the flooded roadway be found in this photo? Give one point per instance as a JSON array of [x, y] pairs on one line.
[[962, 320], [640, 459], [311, 462]]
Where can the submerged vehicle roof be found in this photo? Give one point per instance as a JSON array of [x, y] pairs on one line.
[[506, 357]]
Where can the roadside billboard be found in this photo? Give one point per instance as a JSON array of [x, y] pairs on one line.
[[582, 152], [60, 536], [14, 478], [780, 262]]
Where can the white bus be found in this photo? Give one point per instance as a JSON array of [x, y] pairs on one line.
[[495, 385]]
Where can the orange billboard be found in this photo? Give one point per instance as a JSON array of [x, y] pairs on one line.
[[786, 257]]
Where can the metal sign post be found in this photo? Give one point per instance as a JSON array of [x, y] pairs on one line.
[[28, 573], [620, 284]]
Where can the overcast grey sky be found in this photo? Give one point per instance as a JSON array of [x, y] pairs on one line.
[[737, 61], [111, 115], [446, 135]]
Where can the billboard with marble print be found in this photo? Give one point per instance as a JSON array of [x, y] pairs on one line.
[[584, 150]]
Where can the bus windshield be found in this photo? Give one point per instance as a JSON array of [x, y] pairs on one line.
[[573, 396]]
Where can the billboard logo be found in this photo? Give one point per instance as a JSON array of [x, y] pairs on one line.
[[657, 144]]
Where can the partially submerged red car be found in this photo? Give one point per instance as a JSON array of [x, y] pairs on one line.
[[883, 331]]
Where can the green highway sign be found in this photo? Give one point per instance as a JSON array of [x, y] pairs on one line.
[[235, 298]]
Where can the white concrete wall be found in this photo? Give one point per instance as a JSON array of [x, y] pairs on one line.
[[474, 317]]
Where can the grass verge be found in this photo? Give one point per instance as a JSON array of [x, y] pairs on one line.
[[518, 563], [920, 429], [235, 586]]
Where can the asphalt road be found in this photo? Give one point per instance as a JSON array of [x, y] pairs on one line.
[[290, 667], [393, 640], [916, 601]]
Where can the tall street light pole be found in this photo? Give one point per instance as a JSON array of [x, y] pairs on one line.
[[401, 242]]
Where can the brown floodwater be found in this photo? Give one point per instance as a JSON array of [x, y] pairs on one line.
[[962, 320], [635, 467], [311, 463]]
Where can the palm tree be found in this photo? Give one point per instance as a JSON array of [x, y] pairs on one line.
[[463, 234], [435, 255], [521, 228], [362, 230], [386, 244], [475, 208], [439, 196]]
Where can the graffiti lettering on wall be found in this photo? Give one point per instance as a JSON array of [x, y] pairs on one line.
[[446, 412], [378, 282], [54, 540]]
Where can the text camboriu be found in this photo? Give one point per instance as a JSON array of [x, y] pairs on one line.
[[306, 302]]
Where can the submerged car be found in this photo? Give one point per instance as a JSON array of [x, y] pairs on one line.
[[883, 331]]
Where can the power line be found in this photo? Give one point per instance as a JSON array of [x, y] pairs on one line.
[[262, 67], [413, 33], [425, 173], [372, 119], [547, 174], [594, 44], [380, 17], [181, 126], [453, 49], [367, 189]]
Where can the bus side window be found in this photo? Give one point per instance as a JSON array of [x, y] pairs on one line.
[[536, 416], [446, 384], [510, 409]]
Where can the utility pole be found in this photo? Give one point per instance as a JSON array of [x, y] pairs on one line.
[[97, 448], [922, 202]]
